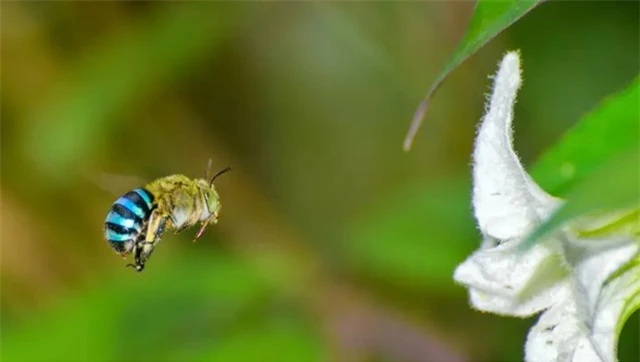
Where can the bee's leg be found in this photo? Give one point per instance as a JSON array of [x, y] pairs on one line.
[[213, 218], [155, 227], [146, 243], [142, 253], [201, 231], [139, 263], [146, 249], [181, 229]]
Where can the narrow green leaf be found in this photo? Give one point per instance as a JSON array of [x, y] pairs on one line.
[[490, 17], [606, 131], [597, 163], [614, 186]]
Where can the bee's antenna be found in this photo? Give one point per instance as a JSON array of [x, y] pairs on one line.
[[223, 171], [209, 165]]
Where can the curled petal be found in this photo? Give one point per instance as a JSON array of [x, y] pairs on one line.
[[504, 281], [618, 299], [584, 327], [596, 262], [507, 203], [556, 335]]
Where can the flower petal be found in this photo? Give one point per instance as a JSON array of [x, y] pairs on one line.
[[506, 201], [596, 262], [616, 299], [504, 281], [584, 327], [556, 335]]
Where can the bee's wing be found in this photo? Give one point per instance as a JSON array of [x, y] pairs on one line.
[[115, 184]]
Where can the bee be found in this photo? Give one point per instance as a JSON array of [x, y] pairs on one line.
[[137, 220]]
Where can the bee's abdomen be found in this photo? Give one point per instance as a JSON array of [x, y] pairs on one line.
[[126, 217]]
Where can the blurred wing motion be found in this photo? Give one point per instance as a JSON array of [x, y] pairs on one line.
[[115, 184]]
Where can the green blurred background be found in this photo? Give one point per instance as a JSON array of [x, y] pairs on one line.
[[333, 244]]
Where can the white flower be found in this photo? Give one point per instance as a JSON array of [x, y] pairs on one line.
[[585, 288]]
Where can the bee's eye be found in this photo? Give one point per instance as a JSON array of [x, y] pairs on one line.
[[206, 201]]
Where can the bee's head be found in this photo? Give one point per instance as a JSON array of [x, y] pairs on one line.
[[208, 189], [210, 198]]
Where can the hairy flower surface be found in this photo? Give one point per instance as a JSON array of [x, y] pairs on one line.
[[586, 284]]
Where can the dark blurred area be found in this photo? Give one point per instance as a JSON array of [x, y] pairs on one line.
[[333, 244]]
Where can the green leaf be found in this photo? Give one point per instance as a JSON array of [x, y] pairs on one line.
[[490, 17], [614, 186], [119, 71], [611, 128], [596, 163]]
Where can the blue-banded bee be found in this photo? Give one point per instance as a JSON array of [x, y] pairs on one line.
[[136, 221]]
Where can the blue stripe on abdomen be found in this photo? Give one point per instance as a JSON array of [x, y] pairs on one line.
[[113, 236], [118, 219], [123, 224], [146, 196], [138, 211]]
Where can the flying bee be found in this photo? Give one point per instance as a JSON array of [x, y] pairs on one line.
[[137, 220]]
